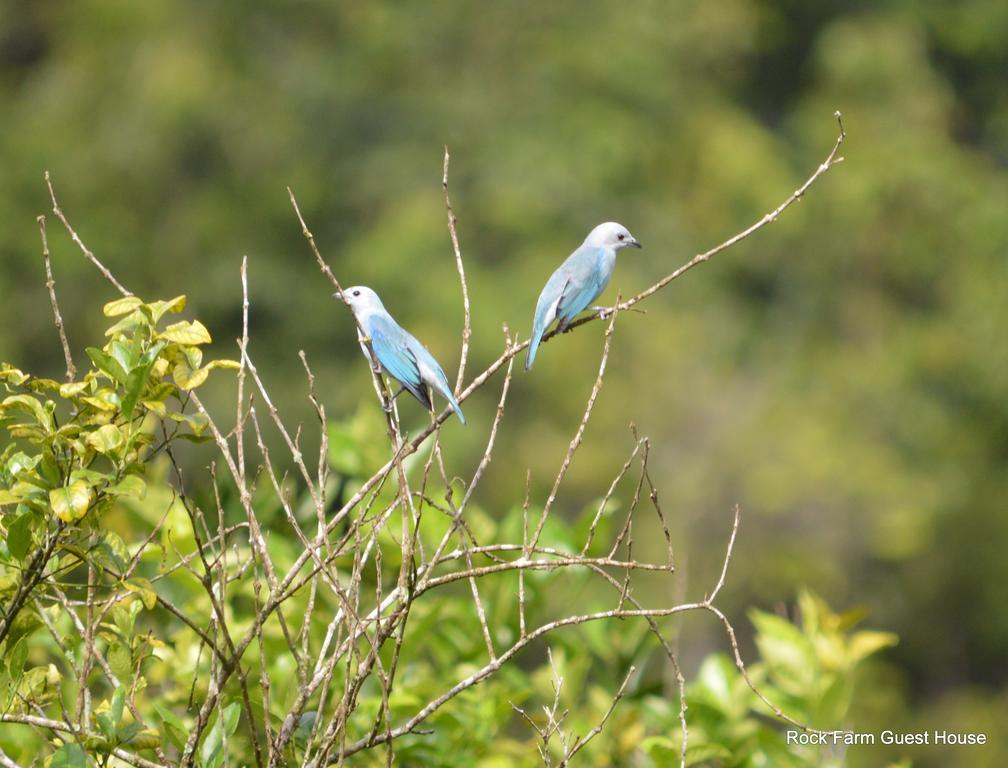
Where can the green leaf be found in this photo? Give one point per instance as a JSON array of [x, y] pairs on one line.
[[104, 720], [186, 333], [6, 497], [19, 535], [69, 756], [195, 438], [120, 660], [116, 710], [112, 549], [123, 355], [174, 728], [147, 738], [107, 364], [89, 476], [144, 589], [705, 753], [105, 439], [17, 659], [197, 422], [20, 461], [70, 503], [137, 379], [212, 750], [124, 615], [788, 652], [39, 685], [131, 485], [121, 306]]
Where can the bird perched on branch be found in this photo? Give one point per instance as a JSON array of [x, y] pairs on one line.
[[578, 281], [399, 353]]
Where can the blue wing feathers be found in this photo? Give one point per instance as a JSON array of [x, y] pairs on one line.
[[577, 282], [401, 356]]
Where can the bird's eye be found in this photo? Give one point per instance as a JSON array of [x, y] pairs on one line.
[[620, 236], [356, 293]]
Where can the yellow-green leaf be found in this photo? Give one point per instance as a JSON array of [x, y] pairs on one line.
[[144, 590], [12, 374], [71, 502], [156, 406], [30, 405], [121, 306], [104, 400], [187, 378], [148, 738], [233, 365], [158, 308], [105, 439], [866, 642], [38, 385], [6, 497], [132, 320], [186, 333], [73, 388], [194, 355]]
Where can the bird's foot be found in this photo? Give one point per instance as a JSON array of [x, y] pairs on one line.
[[603, 312], [387, 406]]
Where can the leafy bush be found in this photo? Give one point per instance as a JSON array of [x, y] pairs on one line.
[[124, 603]]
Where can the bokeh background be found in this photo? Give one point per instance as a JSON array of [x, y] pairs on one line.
[[842, 375]]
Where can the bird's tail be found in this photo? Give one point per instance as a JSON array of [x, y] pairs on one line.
[[455, 407], [532, 348], [444, 390]]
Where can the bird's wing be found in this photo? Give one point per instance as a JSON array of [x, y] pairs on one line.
[[546, 306], [430, 371], [545, 312], [395, 353], [586, 279], [432, 374]]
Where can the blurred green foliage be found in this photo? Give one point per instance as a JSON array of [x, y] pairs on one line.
[[841, 375]]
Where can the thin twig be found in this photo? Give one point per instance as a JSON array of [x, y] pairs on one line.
[[80, 243], [71, 369], [452, 231]]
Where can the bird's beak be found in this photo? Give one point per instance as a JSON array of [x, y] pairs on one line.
[[339, 297], [635, 243]]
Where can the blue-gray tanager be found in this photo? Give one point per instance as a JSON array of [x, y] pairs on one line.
[[400, 355], [578, 281]]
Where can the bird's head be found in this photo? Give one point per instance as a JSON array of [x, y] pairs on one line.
[[359, 298], [611, 235]]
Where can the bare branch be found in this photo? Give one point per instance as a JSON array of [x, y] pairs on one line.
[[467, 325], [80, 244], [71, 369]]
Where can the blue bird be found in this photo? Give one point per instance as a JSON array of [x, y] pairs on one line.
[[399, 353], [578, 281]]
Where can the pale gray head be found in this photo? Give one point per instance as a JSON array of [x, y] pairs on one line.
[[611, 235], [361, 299]]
